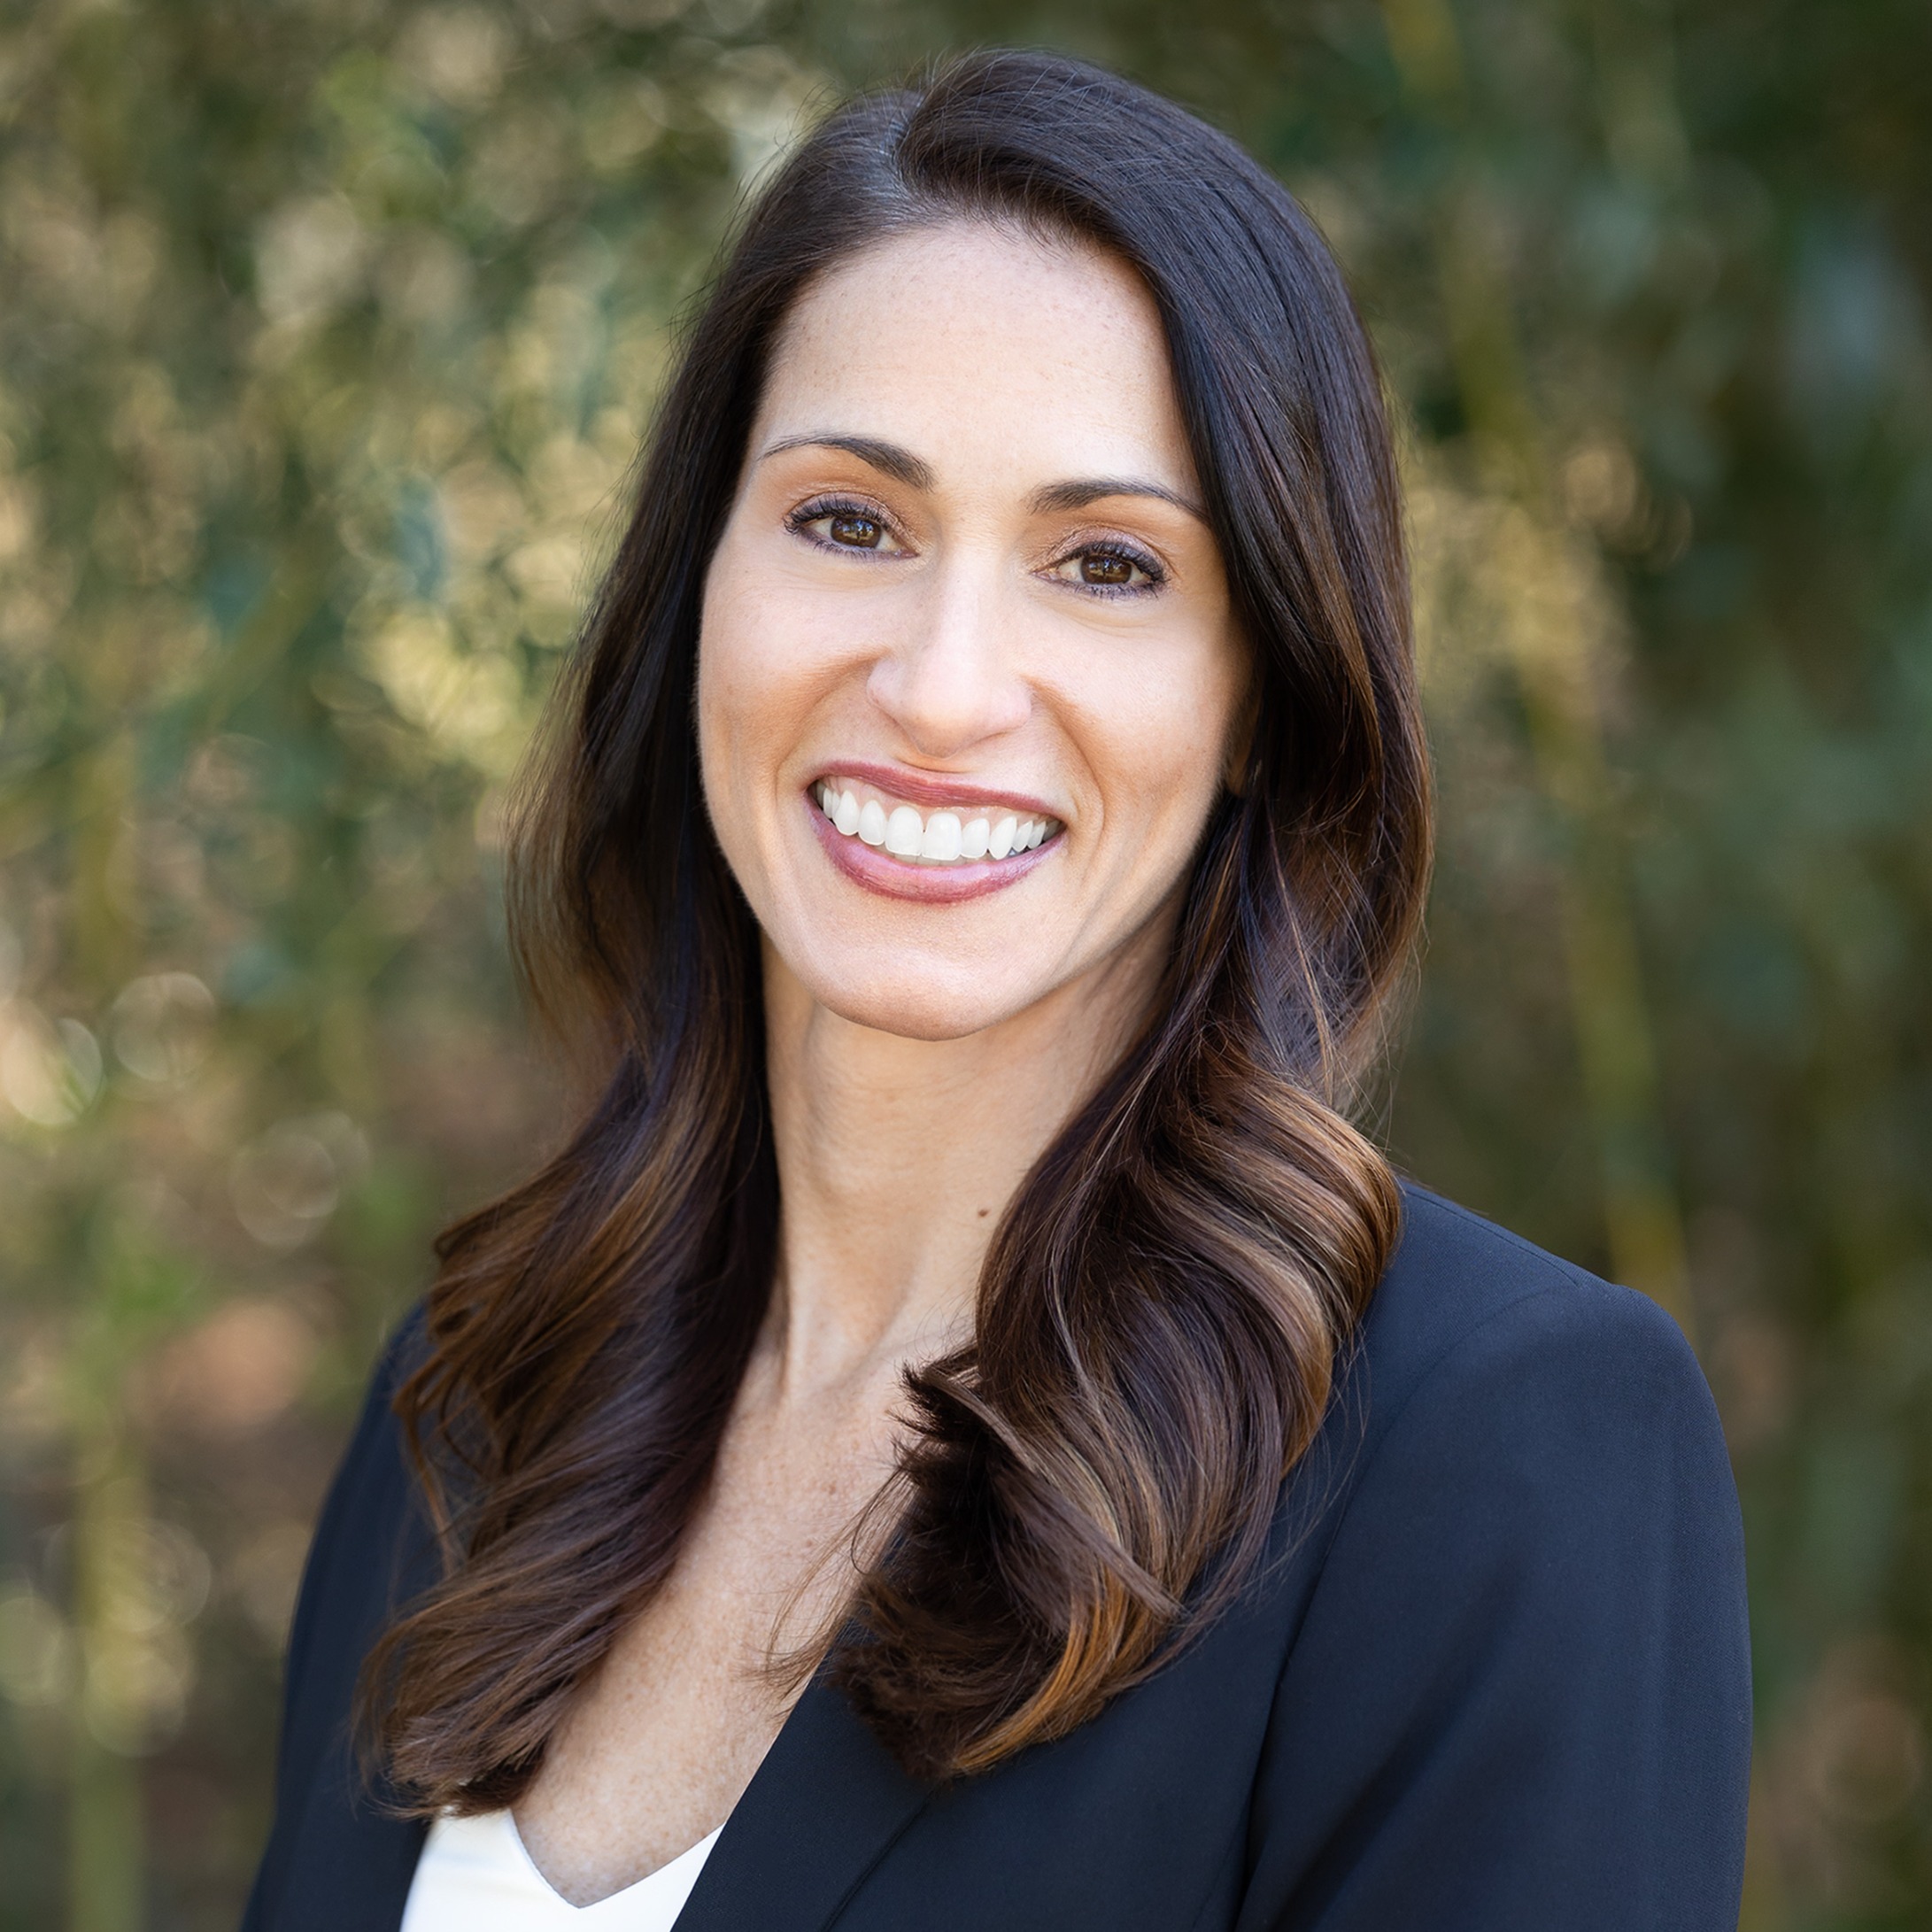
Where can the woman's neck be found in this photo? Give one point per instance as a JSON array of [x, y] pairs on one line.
[[897, 1158]]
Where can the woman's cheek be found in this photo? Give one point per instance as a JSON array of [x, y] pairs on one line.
[[730, 723], [1161, 742]]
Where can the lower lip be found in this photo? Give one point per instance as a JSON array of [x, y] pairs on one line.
[[878, 871]]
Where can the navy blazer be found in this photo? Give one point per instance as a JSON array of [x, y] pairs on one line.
[[1495, 1677]]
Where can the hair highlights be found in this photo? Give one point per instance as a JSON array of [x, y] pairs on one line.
[[1161, 1311]]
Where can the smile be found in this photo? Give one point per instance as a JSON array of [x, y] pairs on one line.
[[964, 834]]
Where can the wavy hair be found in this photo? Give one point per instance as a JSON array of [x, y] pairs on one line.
[[1161, 1310]]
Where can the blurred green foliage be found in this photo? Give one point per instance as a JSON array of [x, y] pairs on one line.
[[327, 333]]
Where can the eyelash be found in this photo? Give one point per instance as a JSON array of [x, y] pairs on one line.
[[1149, 566], [800, 520]]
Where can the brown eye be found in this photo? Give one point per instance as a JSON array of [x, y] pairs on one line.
[[1105, 567], [856, 532]]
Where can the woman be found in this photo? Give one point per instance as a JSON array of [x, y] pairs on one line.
[[966, 1435]]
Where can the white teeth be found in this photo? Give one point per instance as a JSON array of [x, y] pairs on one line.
[[942, 839], [945, 839]]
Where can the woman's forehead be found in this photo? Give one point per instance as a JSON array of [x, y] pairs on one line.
[[977, 345]]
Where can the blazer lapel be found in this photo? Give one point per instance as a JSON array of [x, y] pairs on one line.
[[353, 1862], [825, 1807]]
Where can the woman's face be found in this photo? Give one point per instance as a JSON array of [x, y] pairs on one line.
[[967, 675]]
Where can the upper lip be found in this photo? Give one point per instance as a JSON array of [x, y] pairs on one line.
[[931, 789]]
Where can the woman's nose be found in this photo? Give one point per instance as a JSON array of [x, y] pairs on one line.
[[952, 679]]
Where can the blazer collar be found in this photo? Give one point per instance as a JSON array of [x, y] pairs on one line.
[[821, 1810], [824, 1806]]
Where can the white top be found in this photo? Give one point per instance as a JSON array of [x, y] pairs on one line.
[[475, 1877]]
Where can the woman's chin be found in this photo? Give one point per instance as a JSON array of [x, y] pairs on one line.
[[925, 1006]]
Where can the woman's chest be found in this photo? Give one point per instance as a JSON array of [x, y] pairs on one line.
[[667, 1735]]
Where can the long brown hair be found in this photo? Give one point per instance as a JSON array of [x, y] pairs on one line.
[[1160, 1313]]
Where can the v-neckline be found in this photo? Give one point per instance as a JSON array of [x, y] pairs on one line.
[[823, 1808], [659, 1880]]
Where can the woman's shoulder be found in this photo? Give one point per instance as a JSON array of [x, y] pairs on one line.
[[1497, 1386], [1511, 1618], [1465, 1300], [372, 1549], [374, 1472]]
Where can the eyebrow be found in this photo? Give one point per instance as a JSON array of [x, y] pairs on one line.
[[1083, 490], [890, 460], [887, 457]]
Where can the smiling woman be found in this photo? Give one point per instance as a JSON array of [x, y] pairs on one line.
[[966, 1434], [1005, 634]]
